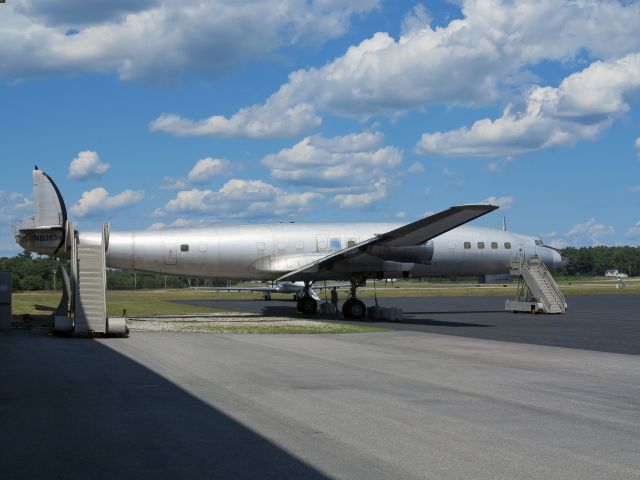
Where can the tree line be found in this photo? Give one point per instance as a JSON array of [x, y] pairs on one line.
[[594, 261], [31, 272]]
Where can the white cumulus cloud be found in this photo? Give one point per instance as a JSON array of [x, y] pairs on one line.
[[268, 121], [14, 205], [87, 165], [589, 233], [350, 160], [471, 61], [634, 231], [504, 202], [355, 167], [239, 198], [159, 41], [416, 168], [364, 199], [98, 201], [207, 168], [582, 106]]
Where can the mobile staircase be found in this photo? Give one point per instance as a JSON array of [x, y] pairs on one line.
[[537, 290], [83, 307], [88, 288]]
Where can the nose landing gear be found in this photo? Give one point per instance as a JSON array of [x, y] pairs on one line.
[[306, 303]]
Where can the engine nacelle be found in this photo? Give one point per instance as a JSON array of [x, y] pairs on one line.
[[413, 254]]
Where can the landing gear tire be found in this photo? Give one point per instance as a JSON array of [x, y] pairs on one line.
[[307, 305], [354, 308]]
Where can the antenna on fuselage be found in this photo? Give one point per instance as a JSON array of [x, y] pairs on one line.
[[504, 224]]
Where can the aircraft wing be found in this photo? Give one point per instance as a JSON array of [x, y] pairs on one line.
[[415, 233], [240, 289], [274, 289]]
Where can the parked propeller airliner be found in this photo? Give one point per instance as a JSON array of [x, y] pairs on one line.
[[433, 246]]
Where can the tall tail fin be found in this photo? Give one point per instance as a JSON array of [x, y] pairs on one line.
[[45, 232], [50, 210]]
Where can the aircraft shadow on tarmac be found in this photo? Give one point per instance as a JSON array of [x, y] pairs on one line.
[[79, 409], [287, 311], [438, 323], [453, 312]]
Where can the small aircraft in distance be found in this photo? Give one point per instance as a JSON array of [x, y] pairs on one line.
[[297, 288]]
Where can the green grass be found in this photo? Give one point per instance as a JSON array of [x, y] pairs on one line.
[[278, 329], [153, 302], [136, 302], [25, 302], [161, 302]]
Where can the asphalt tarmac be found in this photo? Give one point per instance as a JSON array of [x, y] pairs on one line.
[[406, 404], [607, 323]]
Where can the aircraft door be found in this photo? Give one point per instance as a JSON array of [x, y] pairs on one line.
[[260, 249], [452, 260], [170, 257], [322, 243], [520, 253]]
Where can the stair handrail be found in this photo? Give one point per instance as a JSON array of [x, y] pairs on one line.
[[555, 288], [539, 295]]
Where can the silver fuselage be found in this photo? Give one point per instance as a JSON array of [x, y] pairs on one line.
[[265, 252]]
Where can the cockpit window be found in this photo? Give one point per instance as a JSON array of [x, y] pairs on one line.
[[538, 242]]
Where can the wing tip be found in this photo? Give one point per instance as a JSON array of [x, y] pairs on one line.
[[482, 206]]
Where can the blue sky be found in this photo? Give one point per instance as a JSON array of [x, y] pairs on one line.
[[152, 114]]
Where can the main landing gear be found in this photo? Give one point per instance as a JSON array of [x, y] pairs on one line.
[[306, 303], [354, 308]]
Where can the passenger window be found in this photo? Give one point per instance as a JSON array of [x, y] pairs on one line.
[[507, 245], [480, 245], [335, 244], [184, 247], [494, 245], [467, 245], [351, 243]]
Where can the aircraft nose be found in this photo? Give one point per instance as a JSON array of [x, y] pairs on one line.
[[559, 260]]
